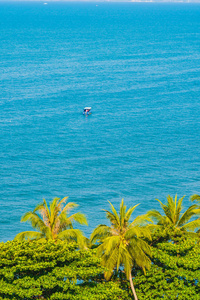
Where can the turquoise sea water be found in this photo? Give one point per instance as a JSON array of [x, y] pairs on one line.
[[138, 66]]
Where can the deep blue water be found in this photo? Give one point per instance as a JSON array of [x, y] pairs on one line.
[[138, 66]]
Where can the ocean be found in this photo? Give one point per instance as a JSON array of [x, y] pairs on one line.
[[138, 66]]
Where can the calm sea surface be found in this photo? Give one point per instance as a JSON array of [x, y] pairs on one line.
[[138, 66]]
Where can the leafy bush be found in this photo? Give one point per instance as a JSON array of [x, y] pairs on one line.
[[175, 272], [33, 270]]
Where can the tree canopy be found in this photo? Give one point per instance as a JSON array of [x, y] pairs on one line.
[[162, 259], [35, 270], [175, 271]]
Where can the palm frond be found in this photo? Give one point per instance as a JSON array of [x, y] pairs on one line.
[[62, 201], [127, 261], [139, 257], [195, 197], [122, 213], [73, 235], [35, 220], [54, 210], [112, 258], [42, 208], [63, 223], [153, 227], [109, 244], [108, 274], [139, 232], [188, 214], [113, 217], [56, 207], [192, 226], [100, 233], [28, 235], [47, 211], [110, 261], [69, 206], [178, 209], [169, 208], [155, 215], [143, 246], [38, 207], [141, 220], [129, 212], [79, 218]]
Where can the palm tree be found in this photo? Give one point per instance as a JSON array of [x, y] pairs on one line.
[[53, 222], [174, 217], [122, 244]]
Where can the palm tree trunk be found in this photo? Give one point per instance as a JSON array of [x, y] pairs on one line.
[[132, 286]]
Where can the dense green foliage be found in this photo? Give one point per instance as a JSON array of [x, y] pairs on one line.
[[33, 270], [48, 265], [175, 271]]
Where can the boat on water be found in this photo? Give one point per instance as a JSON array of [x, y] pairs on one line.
[[87, 111]]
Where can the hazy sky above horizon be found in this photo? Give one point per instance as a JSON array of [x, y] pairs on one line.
[[48, 1], [104, 1]]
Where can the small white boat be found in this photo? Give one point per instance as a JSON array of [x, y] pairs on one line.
[[87, 111]]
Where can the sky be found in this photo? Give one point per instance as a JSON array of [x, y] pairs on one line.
[[48, 1]]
